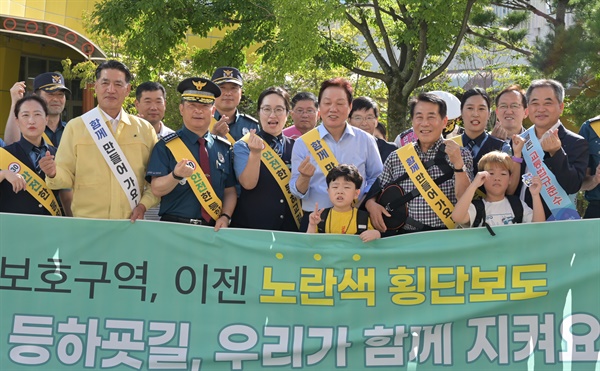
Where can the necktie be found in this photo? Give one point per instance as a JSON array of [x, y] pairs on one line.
[[36, 156], [205, 165], [470, 147]]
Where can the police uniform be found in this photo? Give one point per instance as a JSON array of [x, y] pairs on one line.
[[265, 206], [181, 204], [51, 82], [593, 195], [242, 123], [23, 202]]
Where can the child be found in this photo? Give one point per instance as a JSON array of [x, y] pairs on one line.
[[343, 187], [499, 208]]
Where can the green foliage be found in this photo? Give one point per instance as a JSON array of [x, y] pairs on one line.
[[85, 71]]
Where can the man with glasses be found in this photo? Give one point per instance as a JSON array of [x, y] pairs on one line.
[[305, 114], [511, 110], [364, 115], [231, 124]]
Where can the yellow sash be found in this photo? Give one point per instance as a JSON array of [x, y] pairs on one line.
[[36, 186], [596, 127], [47, 139], [202, 188], [458, 139], [319, 150], [281, 173], [213, 121], [430, 191]]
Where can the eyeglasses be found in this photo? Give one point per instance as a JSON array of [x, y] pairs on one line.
[[514, 106], [359, 119], [279, 111], [301, 112]]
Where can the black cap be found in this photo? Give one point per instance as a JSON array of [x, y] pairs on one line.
[[227, 74], [198, 89], [50, 81]]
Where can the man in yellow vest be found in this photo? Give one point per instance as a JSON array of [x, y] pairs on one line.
[[192, 169], [104, 153]]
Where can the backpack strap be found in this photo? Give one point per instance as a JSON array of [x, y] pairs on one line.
[[324, 215], [517, 208], [480, 216], [362, 221], [479, 212]]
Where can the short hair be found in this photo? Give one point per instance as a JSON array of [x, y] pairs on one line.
[[430, 98], [348, 172], [149, 86], [381, 128], [277, 91], [27, 98], [337, 82], [495, 158], [305, 95], [364, 103], [474, 92], [559, 90], [517, 89], [113, 65]]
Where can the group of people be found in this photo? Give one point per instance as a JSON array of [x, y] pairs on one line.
[[224, 168]]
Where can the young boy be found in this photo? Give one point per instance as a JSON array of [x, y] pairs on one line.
[[499, 210], [343, 187]]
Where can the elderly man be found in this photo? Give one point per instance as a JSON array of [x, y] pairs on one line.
[[511, 110], [440, 172], [104, 153], [547, 149], [335, 142], [305, 114], [192, 169]]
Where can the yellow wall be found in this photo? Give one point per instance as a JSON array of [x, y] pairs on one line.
[[68, 13]]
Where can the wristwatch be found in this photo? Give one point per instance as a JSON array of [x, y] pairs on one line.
[[463, 169]]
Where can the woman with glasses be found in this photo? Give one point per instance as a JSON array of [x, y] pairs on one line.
[[261, 163]]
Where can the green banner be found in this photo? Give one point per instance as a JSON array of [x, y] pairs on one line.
[[80, 294]]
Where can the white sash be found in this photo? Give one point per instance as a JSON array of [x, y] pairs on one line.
[[113, 155]]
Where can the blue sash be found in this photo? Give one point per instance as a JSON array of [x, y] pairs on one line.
[[558, 201]]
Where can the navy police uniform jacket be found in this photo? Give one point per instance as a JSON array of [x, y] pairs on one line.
[[181, 201], [241, 125]]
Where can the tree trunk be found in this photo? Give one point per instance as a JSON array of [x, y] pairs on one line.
[[397, 110]]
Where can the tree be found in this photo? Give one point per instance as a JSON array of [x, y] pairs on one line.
[[567, 54], [412, 41]]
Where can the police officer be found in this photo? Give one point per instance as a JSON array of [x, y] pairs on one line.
[[229, 119], [192, 169], [50, 86]]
